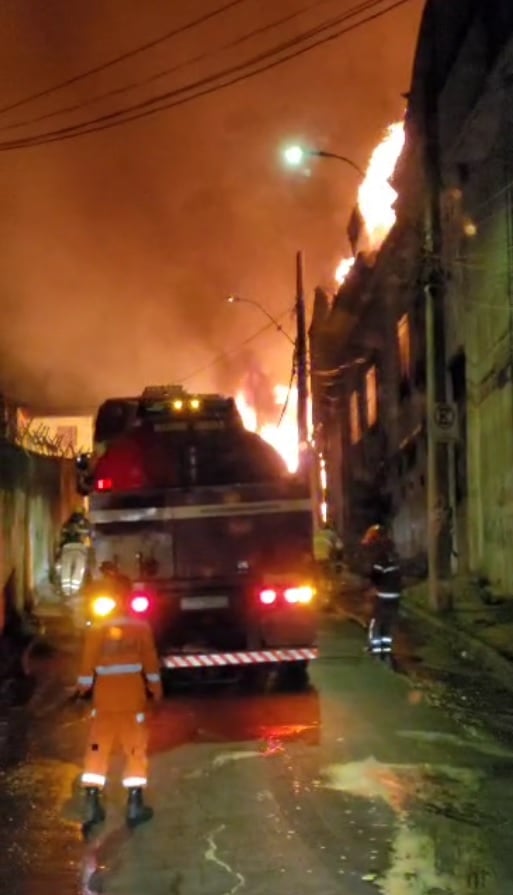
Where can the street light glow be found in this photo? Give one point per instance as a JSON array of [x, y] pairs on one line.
[[294, 155]]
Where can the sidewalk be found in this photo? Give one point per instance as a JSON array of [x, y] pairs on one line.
[[478, 627]]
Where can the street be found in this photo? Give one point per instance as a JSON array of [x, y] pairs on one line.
[[368, 782]]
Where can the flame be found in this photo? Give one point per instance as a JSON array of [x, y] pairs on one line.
[[343, 269], [376, 196], [282, 436]]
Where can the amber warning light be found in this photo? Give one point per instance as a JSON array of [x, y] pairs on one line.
[[103, 606], [302, 595]]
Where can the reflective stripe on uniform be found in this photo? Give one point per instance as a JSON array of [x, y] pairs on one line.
[[107, 670], [153, 678], [93, 779], [134, 782], [383, 596], [85, 680]]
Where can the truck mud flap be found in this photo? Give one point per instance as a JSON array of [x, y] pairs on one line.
[[253, 657]]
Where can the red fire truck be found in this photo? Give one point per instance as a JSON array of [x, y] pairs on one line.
[[213, 532]]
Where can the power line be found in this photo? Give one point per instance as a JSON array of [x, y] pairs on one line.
[[157, 76], [194, 23], [206, 80], [236, 349], [289, 389], [101, 124]]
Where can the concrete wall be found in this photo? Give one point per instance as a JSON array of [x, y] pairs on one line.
[[479, 312], [36, 495]]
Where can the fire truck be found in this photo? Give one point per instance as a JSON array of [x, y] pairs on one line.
[[212, 530]]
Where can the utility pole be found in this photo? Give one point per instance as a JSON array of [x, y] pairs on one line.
[[302, 361], [438, 503]]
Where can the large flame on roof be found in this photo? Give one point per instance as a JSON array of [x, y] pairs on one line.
[[376, 196], [282, 435]]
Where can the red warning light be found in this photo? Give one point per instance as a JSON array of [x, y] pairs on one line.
[[104, 485], [140, 603]]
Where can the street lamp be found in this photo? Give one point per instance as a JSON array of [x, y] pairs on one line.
[[237, 299], [295, 155]]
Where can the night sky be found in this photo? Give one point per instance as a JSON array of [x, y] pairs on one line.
[[117, 248]]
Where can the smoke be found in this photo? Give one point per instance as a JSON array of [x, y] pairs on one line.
[[117, 249]]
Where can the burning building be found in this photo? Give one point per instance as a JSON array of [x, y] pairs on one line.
[[364, 353], [447, 238]]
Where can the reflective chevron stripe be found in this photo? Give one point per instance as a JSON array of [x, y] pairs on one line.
[[254, 657]]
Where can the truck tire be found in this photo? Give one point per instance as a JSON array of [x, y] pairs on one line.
[[254, 678], [293, 675]]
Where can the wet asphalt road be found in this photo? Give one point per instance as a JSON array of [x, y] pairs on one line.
[[369, 782]]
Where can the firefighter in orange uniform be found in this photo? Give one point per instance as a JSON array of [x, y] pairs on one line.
[[120, 665]]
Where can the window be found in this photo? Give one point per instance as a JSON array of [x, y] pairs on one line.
[[371, 395], [354, 418], [403, 339]]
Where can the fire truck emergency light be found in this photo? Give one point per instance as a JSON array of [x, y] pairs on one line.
[[103, 606], [104, 485], [299, 594], [140, 604]]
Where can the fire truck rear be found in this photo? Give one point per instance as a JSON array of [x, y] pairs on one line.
[[214, 533]]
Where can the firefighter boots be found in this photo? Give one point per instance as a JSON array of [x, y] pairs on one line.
[[94, 811], [137, 812]]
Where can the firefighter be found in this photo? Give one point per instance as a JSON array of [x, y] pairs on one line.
[[325, 540], [324, 550], [74, 553], [120, 667], [387, 584], [76, 529]]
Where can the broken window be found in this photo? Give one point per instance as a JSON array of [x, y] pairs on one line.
[[403, 340], [371, 395], [354, 418]]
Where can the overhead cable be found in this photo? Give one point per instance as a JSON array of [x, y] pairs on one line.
[[140, 110]]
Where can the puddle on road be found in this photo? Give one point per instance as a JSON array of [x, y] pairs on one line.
[[438, 844], [227, 757]]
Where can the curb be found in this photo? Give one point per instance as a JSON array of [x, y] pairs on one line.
[[501, 667]]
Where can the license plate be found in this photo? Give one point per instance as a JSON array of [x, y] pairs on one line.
[[192, 604]]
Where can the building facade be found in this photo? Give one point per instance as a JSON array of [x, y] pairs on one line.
[[455, 222]]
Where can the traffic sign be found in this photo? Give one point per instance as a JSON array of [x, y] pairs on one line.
[[445, 421]]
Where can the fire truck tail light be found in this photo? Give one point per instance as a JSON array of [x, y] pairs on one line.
[[268, 596], [299, 594], [103, 606], [104, 485], [140, 603]]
